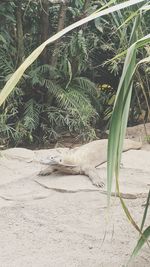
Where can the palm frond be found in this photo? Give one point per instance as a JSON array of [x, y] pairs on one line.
[[31, 114], [85, 85]]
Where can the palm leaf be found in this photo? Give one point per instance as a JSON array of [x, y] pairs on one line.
[[31, 114], [85, 85]]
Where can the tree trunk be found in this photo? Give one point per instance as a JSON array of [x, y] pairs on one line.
[[19, 28], [61, 25], [44, 28]]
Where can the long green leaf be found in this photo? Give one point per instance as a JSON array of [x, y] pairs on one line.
[[145, 211], [119, 119], [120, 112], [130, 218], [140, 243], [33, 56]]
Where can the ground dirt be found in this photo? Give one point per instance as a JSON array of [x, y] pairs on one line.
[[63, 221]]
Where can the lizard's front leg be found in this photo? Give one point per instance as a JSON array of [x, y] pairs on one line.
[[93, 175], [47, 171]]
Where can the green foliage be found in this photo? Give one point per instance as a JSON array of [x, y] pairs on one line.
[[36, 119], [51, 100], [76, 52]]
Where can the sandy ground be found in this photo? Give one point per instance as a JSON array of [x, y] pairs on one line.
[[63, 221]]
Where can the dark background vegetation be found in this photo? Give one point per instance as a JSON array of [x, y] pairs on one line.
[[71, 88]]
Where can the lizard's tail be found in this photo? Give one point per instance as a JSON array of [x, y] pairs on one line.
[[130, 144]]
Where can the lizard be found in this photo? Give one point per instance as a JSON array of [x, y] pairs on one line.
[[83, 159]]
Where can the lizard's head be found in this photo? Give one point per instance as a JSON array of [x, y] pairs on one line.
[[52, 160]]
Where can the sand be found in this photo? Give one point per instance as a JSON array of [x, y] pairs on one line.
[[63, 221]]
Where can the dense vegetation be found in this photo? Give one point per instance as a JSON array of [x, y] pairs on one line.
[[72, 86]]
